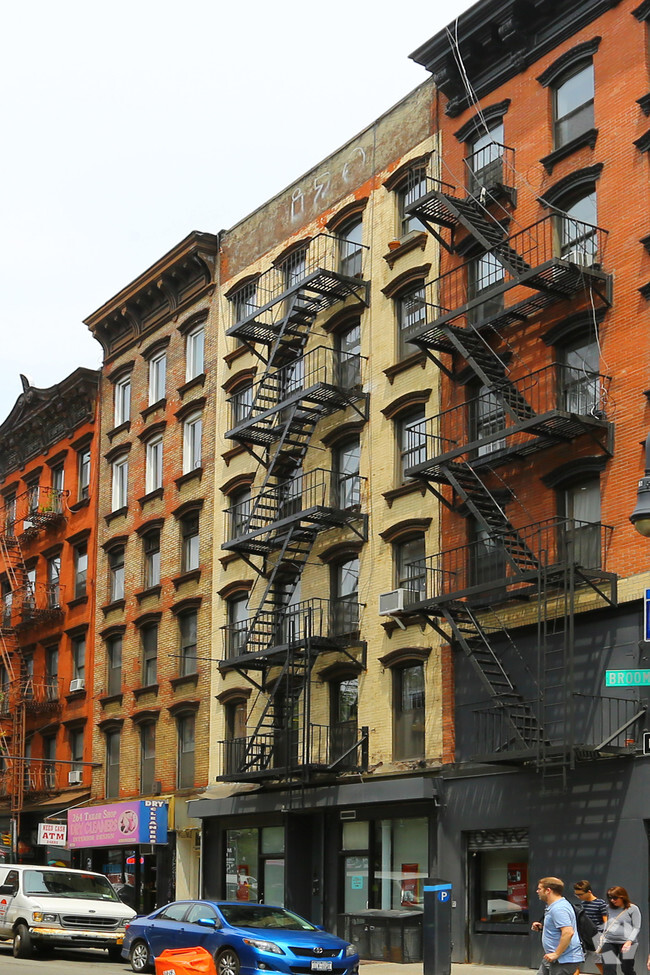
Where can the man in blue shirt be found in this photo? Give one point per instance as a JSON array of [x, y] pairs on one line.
[[560, 941]]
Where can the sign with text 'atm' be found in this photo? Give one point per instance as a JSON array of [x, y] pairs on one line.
[[118, 824]]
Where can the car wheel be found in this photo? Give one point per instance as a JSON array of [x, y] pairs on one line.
[[22, 946], [140, 957], [227, 962], [115, 954]]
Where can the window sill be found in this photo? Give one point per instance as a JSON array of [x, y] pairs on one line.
[[194, 383], [77, 601], [192, 576], [185, 681], [416, 359], [587, 138], [158, 405], [403, 491], [105, 699], [417, 238], [121, 428], [76, 695], [83, 503], [390, 625], [116, 604], [139, 692], [644, 103], [196, 474], [151, 591], [118, 513], [229, 455], [237, 353], [151, 496]]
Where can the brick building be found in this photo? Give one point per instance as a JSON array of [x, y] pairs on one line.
[[48, 469], [154, 580]]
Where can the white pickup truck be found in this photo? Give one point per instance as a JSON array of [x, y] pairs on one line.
[[50, 907]]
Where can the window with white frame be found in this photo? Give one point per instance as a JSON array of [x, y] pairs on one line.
[[151, 552], [157, 377], [120, 482], [410, 189], [116, 573], [154, 464], [194, 352], [192, 431], [190, 547], [83, 474], [485, 160], [80, 569], [122, 401], [573, 104]]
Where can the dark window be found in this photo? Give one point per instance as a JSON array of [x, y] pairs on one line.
[[147, 757], [344, 707], [80, 569], [580, 377], [53, 584], [116, 574], [488, 559], [573, 105], [151, 548], [10, 515], [345, 597], [49, 767], [52, 673], [489, 417], [76, 739], [240, 510], [79, 658], [114, 655], [237, 628], [186, 725], [149, 640], [582, 529], [190, 542], [235, 745], [411, 308], [187, 625], [244, 301], [410, 567], [241, 402], [112, 764], [485, 272], [408, 712]]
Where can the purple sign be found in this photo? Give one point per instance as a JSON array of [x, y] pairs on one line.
[[119, 824]]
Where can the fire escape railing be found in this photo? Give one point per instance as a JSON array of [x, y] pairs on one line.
[[342, 747]]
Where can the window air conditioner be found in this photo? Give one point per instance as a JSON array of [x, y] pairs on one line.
[[75, 777], [78, 684], [580, 257], [396, 601]]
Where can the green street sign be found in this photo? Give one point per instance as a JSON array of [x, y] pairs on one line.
[[627, 678]]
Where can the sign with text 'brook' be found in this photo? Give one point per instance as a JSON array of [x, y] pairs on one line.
[[627, 678], [118, 824]]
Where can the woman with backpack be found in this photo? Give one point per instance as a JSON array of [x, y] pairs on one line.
[[621, 933]]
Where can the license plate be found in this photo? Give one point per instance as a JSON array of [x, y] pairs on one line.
[[321, 966]]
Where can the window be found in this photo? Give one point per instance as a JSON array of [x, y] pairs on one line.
[[49, 767], [80, 569], [10, 515], [27, 676], [237, 627], [485, 160], [498, 875], [157, 377], [112, 764], [185, 773], [489, 417], [53, 585], [83, 475], [122, 401], [151, 551], [58, 483], [192, 430], [116, 574], [350, 248], [76, 739], [120, 482], [344, 709], [194, 353], [348, 347], [384, 863], [412, 440], [347, 486], [235, 743], [154, 462], [149, 641], [187, 625], [580, 377], [147, 757], [114, 661], [244, 301], [410, 190], [52, 674], [581, 540], [256, 871], [411, 309], [190, 542], [29, 599], [239, 511], [79, 657], [488, 560], [33, 492], [345, 597], [408, 712], [294, 267], [410, 568], [241, 403], [7, 602], [578, 233], [573, 105], [485, 272]]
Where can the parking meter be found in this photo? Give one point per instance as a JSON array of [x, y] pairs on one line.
[[436, 927]]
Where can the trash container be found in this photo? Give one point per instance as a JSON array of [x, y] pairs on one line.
[[185, 961]]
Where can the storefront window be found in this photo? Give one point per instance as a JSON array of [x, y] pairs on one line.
[[255, 865], [498, 862], [384, 864]]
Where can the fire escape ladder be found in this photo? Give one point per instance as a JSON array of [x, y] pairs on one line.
[[490, 515], [557, 744], [474, 639]]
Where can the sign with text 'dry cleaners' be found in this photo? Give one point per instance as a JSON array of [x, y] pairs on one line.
[[118, 824]]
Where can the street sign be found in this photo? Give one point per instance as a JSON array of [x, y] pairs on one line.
[[646, 616], [627, 678]]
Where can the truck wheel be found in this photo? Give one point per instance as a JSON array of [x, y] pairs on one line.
[[22, 947]]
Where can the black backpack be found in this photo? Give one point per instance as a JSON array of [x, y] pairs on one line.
[[586, 929]]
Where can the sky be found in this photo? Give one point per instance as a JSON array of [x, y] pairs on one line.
[[126, 125]]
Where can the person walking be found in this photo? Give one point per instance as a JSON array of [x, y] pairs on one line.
[[560, 941], [596, 910], [621, 932]]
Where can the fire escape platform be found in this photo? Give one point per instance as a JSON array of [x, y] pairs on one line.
[[270, 536]]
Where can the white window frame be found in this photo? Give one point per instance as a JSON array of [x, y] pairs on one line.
[[154, 464], [157, 377], [195, 353], [122, 401], [120, 482], [192, 436]]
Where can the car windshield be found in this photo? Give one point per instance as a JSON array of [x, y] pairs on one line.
[[61, 883], [259, 916]]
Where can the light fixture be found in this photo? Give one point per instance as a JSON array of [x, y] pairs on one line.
[[640, 517]]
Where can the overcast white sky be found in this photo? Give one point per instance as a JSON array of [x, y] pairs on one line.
[[125, 125]]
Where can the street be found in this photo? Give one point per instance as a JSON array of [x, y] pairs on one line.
[[69, 961]]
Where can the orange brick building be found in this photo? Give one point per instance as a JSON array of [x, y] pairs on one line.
[[48, 470]]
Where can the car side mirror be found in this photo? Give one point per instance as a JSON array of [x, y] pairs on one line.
[[7, 889], [208, 922]]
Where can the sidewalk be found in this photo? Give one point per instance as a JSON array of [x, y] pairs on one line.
[[415, 968]]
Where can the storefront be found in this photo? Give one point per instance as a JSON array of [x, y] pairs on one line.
[[130, 843]]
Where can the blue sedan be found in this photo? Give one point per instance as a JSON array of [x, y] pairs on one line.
[[243, 939]]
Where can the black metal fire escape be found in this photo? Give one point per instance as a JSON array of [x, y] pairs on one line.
[[275, 529], [457, 453]]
